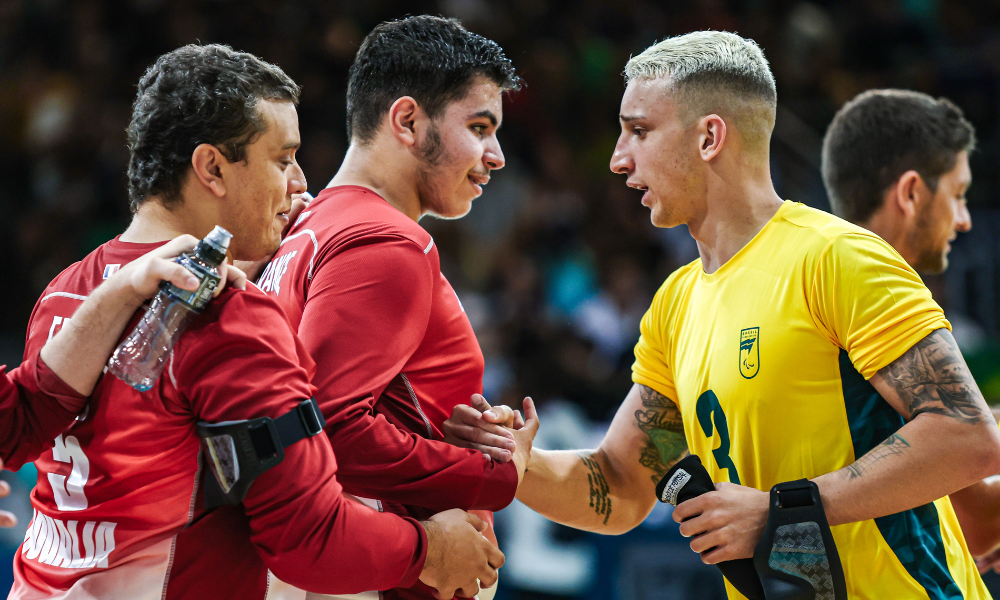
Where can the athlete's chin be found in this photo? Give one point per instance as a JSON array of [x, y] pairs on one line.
[[453, 210], [662, 219]]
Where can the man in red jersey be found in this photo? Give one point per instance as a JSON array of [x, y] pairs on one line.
[[213, 141], [42, 396], [362, 283]]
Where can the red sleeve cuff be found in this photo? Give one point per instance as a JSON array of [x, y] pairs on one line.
[[499, 486], [53, 386], [412, 574]]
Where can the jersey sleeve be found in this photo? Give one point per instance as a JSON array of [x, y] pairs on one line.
[[366, 314], [246, 364], [35, 407], [870, 302], [651, 367]]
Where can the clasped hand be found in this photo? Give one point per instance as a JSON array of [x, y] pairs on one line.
[[499, 432], [725, 524]]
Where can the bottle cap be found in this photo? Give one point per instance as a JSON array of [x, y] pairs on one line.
[[213, 247]]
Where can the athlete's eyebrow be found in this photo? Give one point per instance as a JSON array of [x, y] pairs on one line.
[[485, 114], [292, 146], [629, 118]]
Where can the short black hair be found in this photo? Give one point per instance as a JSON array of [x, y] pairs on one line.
[[881, 134], [197, 94], [432, 59]]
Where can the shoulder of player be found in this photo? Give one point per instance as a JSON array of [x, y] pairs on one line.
[[242, 311], [819, 225], [675, 286], [352, 215], [821, 234], [679, 279], [80, 278]]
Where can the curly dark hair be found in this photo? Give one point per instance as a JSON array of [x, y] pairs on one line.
[[432, 59], [881, 134], [196, 95]]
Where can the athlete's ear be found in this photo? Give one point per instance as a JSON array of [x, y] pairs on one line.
[[910, 192], [711, 136], [404, 117], [206, 168]]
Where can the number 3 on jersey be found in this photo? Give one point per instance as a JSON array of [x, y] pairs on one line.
[[710, 413]]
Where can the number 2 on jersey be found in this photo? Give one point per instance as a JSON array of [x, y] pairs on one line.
[[710, 413], [68, 491]]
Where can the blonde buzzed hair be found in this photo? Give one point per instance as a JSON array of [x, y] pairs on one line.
[[714, 72]]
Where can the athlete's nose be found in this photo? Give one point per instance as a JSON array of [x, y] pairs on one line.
[[621, 162], [963, 219], [297, 180], [493, 157]]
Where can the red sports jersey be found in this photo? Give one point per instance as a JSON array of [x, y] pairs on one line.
[[395, 353], [122, 483], [35, 406]]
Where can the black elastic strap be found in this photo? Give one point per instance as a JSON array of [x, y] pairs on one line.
[[305, 420], [269, 438], [797, 557]]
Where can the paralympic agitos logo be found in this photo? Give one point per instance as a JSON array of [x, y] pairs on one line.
[[749, 352]]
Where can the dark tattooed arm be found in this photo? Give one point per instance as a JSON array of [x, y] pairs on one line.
[[660, 420], [949, 441], [932, 377]]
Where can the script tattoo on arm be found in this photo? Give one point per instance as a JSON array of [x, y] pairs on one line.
[[600, 496], [660, 419], [892, 446], [932, 377]]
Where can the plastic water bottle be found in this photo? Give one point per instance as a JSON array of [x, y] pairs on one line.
[[140, 359]]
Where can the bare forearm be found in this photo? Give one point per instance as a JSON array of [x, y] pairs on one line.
[[928, 458], [581, 489], [81, 348], [612, 489]]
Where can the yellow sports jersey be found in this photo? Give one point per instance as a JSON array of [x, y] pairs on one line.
[[768, 360]]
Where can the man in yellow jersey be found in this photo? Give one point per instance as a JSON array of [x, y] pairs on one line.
[[797, 346], [896, 162]]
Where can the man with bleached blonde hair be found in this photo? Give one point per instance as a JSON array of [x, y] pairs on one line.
[[798, 346]]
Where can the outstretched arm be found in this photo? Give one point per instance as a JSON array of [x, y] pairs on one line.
[[611, 489], [949, 442]]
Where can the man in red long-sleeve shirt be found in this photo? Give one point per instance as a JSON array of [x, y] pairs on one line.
[[362, 282], [42, 396], [213, 140]]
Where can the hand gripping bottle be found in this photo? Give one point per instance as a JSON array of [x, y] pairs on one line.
[[140, 359]]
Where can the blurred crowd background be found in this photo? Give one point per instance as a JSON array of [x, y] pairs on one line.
[[557, 261]]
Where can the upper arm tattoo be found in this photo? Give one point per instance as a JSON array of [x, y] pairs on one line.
[[660, 419], [932, 377]]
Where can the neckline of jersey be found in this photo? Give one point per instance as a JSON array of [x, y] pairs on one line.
[[337, 189], [118, 244], [745, 250]]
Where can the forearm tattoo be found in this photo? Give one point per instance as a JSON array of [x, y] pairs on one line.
[[932, 377], [892, 446], [600, 493], [660, 419]]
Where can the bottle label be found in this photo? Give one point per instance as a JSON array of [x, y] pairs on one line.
[[198, 299]]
